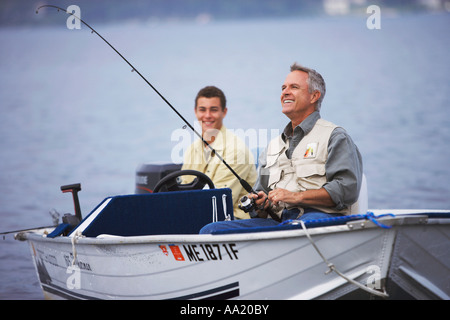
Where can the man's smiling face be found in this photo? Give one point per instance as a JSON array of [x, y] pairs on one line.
[[209, 113], [296, 101]]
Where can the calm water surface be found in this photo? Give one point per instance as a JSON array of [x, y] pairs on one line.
[[72, 111]]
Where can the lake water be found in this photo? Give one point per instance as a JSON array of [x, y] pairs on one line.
[[72, 111]]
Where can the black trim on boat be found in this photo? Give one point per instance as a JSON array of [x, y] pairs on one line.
[[65, 293], [221, 293]]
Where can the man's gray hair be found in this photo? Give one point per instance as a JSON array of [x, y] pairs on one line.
[[315, 82]]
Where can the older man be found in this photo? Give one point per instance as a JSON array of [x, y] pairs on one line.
[[313, 169]]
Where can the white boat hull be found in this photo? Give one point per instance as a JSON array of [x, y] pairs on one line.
[[264, 265]]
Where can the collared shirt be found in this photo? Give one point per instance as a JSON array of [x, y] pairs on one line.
[[234, 151], [343, 167]]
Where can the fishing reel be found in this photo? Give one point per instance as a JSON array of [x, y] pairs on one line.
[[248, 205]]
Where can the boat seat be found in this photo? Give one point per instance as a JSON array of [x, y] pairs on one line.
[[361, 206], [183, 212]]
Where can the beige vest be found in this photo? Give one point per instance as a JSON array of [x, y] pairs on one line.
[[306, 169]]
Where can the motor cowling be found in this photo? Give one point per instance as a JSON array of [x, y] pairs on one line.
[[148, 175]]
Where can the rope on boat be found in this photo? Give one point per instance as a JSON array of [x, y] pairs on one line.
[[224, 204], [341, 220], [74, 250], [215, 217], [214, 205], [372, 217], [332, 267]]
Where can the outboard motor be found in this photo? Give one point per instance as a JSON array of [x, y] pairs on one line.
[[148, 175], [69, 221], [74, 189]]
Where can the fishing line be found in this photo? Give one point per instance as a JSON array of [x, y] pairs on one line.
[[244, 183]]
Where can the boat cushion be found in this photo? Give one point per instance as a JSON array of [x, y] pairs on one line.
[[183, 212]]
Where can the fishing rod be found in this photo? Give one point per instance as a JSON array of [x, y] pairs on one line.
[[23, 230], [244, 183]]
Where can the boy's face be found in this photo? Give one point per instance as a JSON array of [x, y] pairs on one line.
[[209, 113]]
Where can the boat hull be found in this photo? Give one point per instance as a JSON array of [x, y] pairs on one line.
[[420, 263], [277, 265]]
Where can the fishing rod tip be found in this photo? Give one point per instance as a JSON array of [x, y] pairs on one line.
[[39, 8]]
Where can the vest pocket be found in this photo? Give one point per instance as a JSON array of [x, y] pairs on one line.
[[311, 176], [273, 169]]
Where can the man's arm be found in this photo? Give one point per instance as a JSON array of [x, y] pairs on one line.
[[344, 176], [344, 170], [318, 197]]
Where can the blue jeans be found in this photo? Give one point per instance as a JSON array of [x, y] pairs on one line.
[[293, 214]]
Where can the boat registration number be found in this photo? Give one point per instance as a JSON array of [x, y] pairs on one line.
[[202, 252]]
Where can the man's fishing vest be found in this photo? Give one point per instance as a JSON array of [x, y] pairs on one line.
[[306, 168]]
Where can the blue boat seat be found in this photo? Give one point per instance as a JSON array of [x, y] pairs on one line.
[[184, 212]]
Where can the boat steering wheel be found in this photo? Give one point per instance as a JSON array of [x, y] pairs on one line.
[[170, 182]]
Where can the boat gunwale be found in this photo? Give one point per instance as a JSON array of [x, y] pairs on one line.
[[362, 224], [183, 238]]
